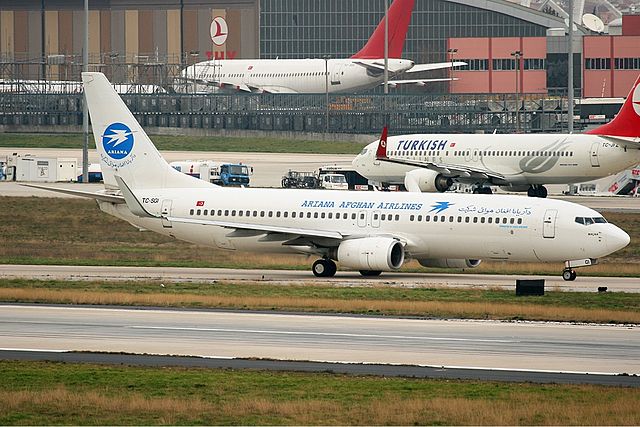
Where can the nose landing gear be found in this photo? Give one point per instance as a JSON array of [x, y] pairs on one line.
[[569, 275]]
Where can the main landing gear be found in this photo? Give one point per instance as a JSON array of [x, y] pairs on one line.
[[482, 190], [324, 268], [537, 191]]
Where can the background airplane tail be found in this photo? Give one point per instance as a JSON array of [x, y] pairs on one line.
[[627, 122], [123, 146], [399, 18]]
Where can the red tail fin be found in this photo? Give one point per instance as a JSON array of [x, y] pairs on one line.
[[399, 18], [381, 153], [627, 122]]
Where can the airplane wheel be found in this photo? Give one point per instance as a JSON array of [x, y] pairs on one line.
[[370, 273], [531, 192], [569, 275], [486, 190], [324, 268], [542, 192]]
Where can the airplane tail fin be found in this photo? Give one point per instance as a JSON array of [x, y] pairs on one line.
[[627, 122], [381, 152], [399, 18], [124, 148]]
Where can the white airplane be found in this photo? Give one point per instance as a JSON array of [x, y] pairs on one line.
[[515, 162], [366, 231], [363, 70]]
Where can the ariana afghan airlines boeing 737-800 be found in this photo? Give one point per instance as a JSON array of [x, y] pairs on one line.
[[515, 162], [362, 71], [366, 231]]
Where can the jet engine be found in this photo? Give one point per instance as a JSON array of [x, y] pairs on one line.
[[371, 253], [450, 263], [426, 180]]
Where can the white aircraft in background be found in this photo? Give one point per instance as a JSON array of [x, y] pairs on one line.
[[367, 231], [515, 162], [363, 70]]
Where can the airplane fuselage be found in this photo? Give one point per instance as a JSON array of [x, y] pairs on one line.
[[522, 159], [431, 226], [290, 75]]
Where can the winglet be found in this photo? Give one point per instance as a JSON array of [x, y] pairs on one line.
[[627, 122], [381, 153]]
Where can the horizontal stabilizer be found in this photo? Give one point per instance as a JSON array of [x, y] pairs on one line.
[[435, 66], [111, 198], [418, 82]]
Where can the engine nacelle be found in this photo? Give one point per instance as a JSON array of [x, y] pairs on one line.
[[426, 180], [450, 263], [371, 253]]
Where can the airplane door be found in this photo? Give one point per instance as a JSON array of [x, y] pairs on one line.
[[594, 154], [165, 211], [362, 219], [336, 73], [375, 219], [549, 224]]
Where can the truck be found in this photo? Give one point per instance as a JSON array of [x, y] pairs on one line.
[[225, 174], [354, 180], [328, 181]]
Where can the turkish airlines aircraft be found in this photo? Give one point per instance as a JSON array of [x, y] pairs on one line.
[[515, 162], [363, 70], [367, 231]]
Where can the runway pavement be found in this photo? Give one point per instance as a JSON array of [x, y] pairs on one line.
[[343, 278], [450, 344]]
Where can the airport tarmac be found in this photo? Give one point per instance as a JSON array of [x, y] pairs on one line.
[[268, 168], [527, 346], [289, 277]]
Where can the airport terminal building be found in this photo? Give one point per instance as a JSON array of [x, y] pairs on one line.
[[152, 39]]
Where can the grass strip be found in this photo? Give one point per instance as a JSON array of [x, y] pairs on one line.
[[33, 232], [193, 143], [379, 300], [40, 393]]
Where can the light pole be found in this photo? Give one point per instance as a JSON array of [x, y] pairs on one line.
[[386, 46], [85, 107], [194, 54], [517, 55], [326, 92], [570, 70], [452, 52]]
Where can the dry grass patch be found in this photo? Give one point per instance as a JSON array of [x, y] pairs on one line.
[[60, 405], [457, 309]]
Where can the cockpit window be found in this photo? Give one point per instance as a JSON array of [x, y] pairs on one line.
[[364, 151], [588, 221]]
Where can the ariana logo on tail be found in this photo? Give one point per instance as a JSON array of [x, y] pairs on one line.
[[117, 140]]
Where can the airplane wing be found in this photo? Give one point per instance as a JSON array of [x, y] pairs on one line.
[[104, 197], [447, 170], [418, 82], [374, 67], [435, 66]]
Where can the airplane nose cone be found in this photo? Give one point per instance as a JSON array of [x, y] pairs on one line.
[[617, 239]]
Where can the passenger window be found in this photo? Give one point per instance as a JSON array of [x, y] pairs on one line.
[[482, 220], [475, 219], [361, 216], [330, 215], [450, 219], [375, 216], [286, 214], [512, 221], [262, 214], [205, 212], [226, 212], [270, 214], [198, 212], [504, 220], [397, 217], [191, 212], [293, 214], [353, 216], [419, 217], [308, 214], [240, 213], [315, 214], [412, 217], [233, 212], [489, 220], [442, 218], [255, 213], [219, 212], [466, 219], [278, 214], [435, 218], [213, 212], [383, 217], [459, 219], [322, 215], [427, 218], [519, 220]]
